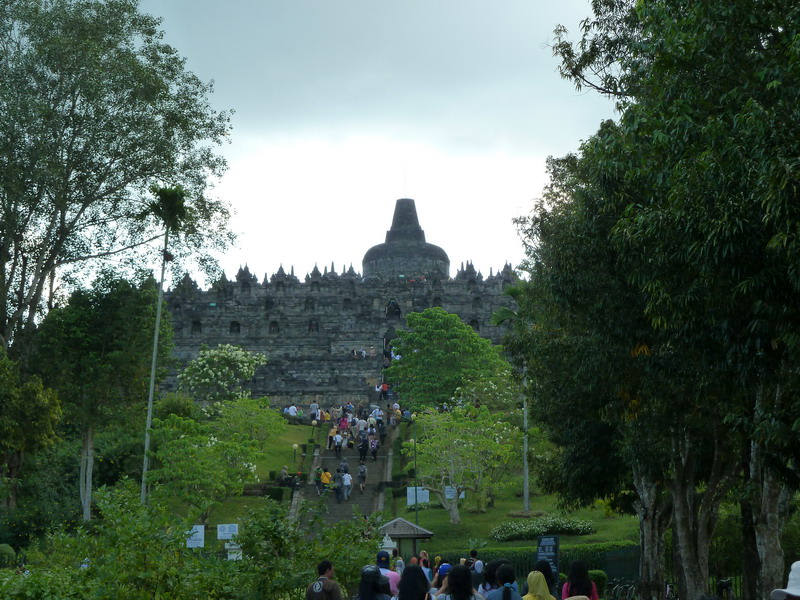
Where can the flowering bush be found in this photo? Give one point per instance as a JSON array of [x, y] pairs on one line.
[[533, 528], [217, 374]]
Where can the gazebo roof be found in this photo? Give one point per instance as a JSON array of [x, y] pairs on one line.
[[400, 528]]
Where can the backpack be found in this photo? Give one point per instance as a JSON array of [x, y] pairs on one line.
[[373, 444]]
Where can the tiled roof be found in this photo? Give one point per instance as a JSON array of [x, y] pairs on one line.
[[400, 528]]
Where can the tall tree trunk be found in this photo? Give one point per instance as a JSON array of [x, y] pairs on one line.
[[87, 465], [451, 505], [696, 507], [770, 506], [750, 560], [10, 471], [655, 515]]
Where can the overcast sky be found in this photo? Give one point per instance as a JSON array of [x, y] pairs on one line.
[[344, 106]]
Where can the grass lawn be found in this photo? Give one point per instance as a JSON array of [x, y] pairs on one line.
[[280, 452], [474, 526], [508, 506]]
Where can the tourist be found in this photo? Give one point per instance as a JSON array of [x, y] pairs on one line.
[[578, 582], [338, 440], [363, 448], [426, 567], [537, 587], [373, 585], [414, 584], [347, 485], [374, 444], [440, 578], [489, 576], [338, 485], [324, 588], [283, 476], [331, 434], [546, 568], [399, 564], [318, 481], [313, 410], [506, 582], [386, 571], [474, 563], [327, 479], [292, 410], [792, 589], [362, 476], [458, 585]]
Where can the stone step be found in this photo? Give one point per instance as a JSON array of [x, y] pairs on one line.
[[363, 504]]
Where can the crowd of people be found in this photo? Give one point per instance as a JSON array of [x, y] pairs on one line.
[[364, 429], [422, 579]]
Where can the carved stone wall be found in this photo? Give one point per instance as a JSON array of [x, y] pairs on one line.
[[309, 330]]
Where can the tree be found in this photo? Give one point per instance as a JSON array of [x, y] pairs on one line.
[[95, 352], [707, 171], [251, 418], [29, 413], [218, 374], [582, 335], [440, 353], [94, 110], [280, 553], [170, 208], [463, 449], [197, 466]]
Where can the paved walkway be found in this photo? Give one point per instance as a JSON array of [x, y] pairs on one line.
[[366, 503]]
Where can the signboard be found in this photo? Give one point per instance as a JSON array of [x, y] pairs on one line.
[[234, 551], [423, 496], [197, 537], [226, 532], [547, 549]]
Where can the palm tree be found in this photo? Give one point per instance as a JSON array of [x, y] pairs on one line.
[[170, 208]]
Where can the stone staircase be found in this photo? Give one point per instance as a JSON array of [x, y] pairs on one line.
[[379, 472]]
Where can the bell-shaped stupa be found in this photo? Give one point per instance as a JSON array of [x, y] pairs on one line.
[[405, 254]]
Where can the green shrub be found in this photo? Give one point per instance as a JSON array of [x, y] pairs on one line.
[[61, 583], [530, 529], [600, 579], [524, 557], [7, 556], [279, 494]]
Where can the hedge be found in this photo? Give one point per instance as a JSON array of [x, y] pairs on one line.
[[523, 558], [530, 529]]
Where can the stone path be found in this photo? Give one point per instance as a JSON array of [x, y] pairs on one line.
[[378, 474]]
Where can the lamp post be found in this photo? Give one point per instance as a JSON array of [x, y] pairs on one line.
[[294, 454], [526, 495], [416, 487]]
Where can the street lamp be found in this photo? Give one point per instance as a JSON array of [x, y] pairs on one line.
[[294, 454], [416, 487], [526, 494]]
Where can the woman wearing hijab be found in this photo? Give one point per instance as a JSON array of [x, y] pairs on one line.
[[537, 587]]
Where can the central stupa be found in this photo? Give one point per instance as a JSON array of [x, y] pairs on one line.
[[406, 254]]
